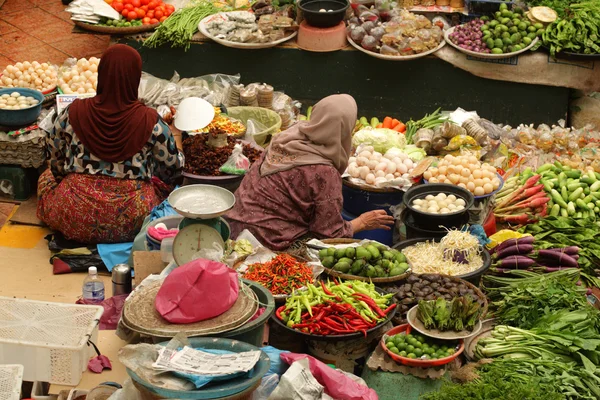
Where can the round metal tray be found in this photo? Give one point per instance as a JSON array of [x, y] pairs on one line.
[[178, 197]]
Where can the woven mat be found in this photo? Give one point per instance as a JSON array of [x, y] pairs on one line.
[[26, 214], [380, 360], [140, 315]]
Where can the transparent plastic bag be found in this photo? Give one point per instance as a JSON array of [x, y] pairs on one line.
[[237, 163]]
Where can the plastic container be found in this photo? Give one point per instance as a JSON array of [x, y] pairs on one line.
[[413, 362], [358, 201], [432, 221], [166, 250], [11, 379], [26, 116], [253, 331], [486, 7], [171, 221], [49, 339], [323, 19], [93, 287], [264, 116], [39, 391], [380, 235], [414, 229], [473, 277]]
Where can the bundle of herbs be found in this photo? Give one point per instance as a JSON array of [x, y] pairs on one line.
[[456, 315], [553, 232], [523, 379], [523, 304]]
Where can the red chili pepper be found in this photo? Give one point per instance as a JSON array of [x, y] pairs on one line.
[[302, 325], [390, 308], [327, 291], [371, 303], [278, 312]]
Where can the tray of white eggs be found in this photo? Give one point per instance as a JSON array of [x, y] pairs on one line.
[[438, 200], [79, 77], [33, 75], [17, 101], [465, 171], [371, 168]]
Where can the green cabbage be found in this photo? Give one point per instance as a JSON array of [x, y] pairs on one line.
[[414, 153], [381, 139]]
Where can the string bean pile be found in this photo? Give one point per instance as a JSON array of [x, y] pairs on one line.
[[578, 31]]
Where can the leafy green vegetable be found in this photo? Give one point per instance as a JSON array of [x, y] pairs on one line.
[[552, 232], [524, 304], [577, 31], [459, 314], [496, 383]]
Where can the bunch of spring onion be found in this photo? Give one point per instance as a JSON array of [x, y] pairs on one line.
[[521, 203], [567, 336], [520, 254], [429, 121]]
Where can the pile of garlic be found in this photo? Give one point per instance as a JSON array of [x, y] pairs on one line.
[[81, 77], [375, 168], [466, 172], [31, 75]]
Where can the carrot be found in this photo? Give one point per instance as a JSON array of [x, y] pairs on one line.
[[379, 125], [523, 191], [387, 122], [400, 128], [395, 122]]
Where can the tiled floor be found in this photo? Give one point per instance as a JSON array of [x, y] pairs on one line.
[[40, 30]]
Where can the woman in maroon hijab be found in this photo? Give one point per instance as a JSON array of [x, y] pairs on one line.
[[112, 159]]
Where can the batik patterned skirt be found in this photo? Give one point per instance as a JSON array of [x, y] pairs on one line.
[[95, 208]]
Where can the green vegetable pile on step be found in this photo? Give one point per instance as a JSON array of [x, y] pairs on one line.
[[578, 31], [456, 315], [420, 347], [371, 261]]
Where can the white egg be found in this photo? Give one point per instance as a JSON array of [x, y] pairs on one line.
[[380, 174], [402, 168], [372, 164], [408, 162], [488, 188], [451, 197], [391, 167], [354, 172], [390, 177], [417, 207], [460, 202], [351, 160], [459, 208], [433, 180], [429, 197], [380, 180], [432, 210], [361, 161], [364, 171], [15, 94], [479, 191], [451, 207], [370, 179], [444, 210], [366, 154], [418, 202], [381, 166]]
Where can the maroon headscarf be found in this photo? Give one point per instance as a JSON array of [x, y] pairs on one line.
[[114, 125]]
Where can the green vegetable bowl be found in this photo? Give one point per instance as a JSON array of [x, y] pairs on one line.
[[417, 325], [402, 339]]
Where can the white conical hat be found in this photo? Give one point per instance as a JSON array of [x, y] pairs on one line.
[[193, 113]]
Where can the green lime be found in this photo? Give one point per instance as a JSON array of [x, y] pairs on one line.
[[531, 29], [435, 347], [418, 345], [531, 35], [497, 50], [402, 354], [503, 7], [410, 348], [498, 43], [411, 355], [426, 357], [527, 41], [418, 352], [413, 341], [401, 346], [389, 345], [518, 47], [450, 352], [409, 336], [444, 348], [395, 350], [538, 26]]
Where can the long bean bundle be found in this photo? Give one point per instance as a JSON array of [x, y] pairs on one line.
[[179, 28], [578, 31]]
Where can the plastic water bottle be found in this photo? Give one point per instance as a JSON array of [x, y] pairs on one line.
[[93, 287]]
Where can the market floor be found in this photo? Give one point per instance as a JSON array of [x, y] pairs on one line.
[[40, 30]]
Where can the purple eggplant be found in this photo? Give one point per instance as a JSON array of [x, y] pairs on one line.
[[571, 250], [557, 257], [515, 262], [516, 250], [512, 242]]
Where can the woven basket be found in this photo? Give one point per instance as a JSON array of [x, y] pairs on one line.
[[337, 274], [129, 30]]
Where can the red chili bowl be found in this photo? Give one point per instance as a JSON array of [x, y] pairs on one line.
[[415, 362]]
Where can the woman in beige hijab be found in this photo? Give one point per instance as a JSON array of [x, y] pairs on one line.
[[295, 190]]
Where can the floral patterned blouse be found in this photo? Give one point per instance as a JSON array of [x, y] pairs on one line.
[[159, 157], [280, 208]]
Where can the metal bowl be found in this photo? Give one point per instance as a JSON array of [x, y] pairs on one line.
[[190, 201]]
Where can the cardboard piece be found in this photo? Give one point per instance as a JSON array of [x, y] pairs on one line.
[[26, 214], [147, 263]]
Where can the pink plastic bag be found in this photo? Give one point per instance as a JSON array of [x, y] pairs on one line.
[[112, 311], [337, 385], [196, 291]]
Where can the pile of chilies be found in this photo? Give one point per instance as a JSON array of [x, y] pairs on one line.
[[281, 275], [520, 254], [336, 308], [521, 204]]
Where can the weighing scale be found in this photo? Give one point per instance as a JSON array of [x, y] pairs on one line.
[[202, 226]]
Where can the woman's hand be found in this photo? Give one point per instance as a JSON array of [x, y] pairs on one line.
[[377, 219]]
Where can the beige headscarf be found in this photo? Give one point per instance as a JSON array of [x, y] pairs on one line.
[[325, 139]]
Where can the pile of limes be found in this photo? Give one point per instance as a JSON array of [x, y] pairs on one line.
[[120, 23], [419, 347], [509, 31]]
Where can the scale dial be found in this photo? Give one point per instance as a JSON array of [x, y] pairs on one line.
[[192, 239]]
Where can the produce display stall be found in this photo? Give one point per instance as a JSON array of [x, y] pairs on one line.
[[486, 287]]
